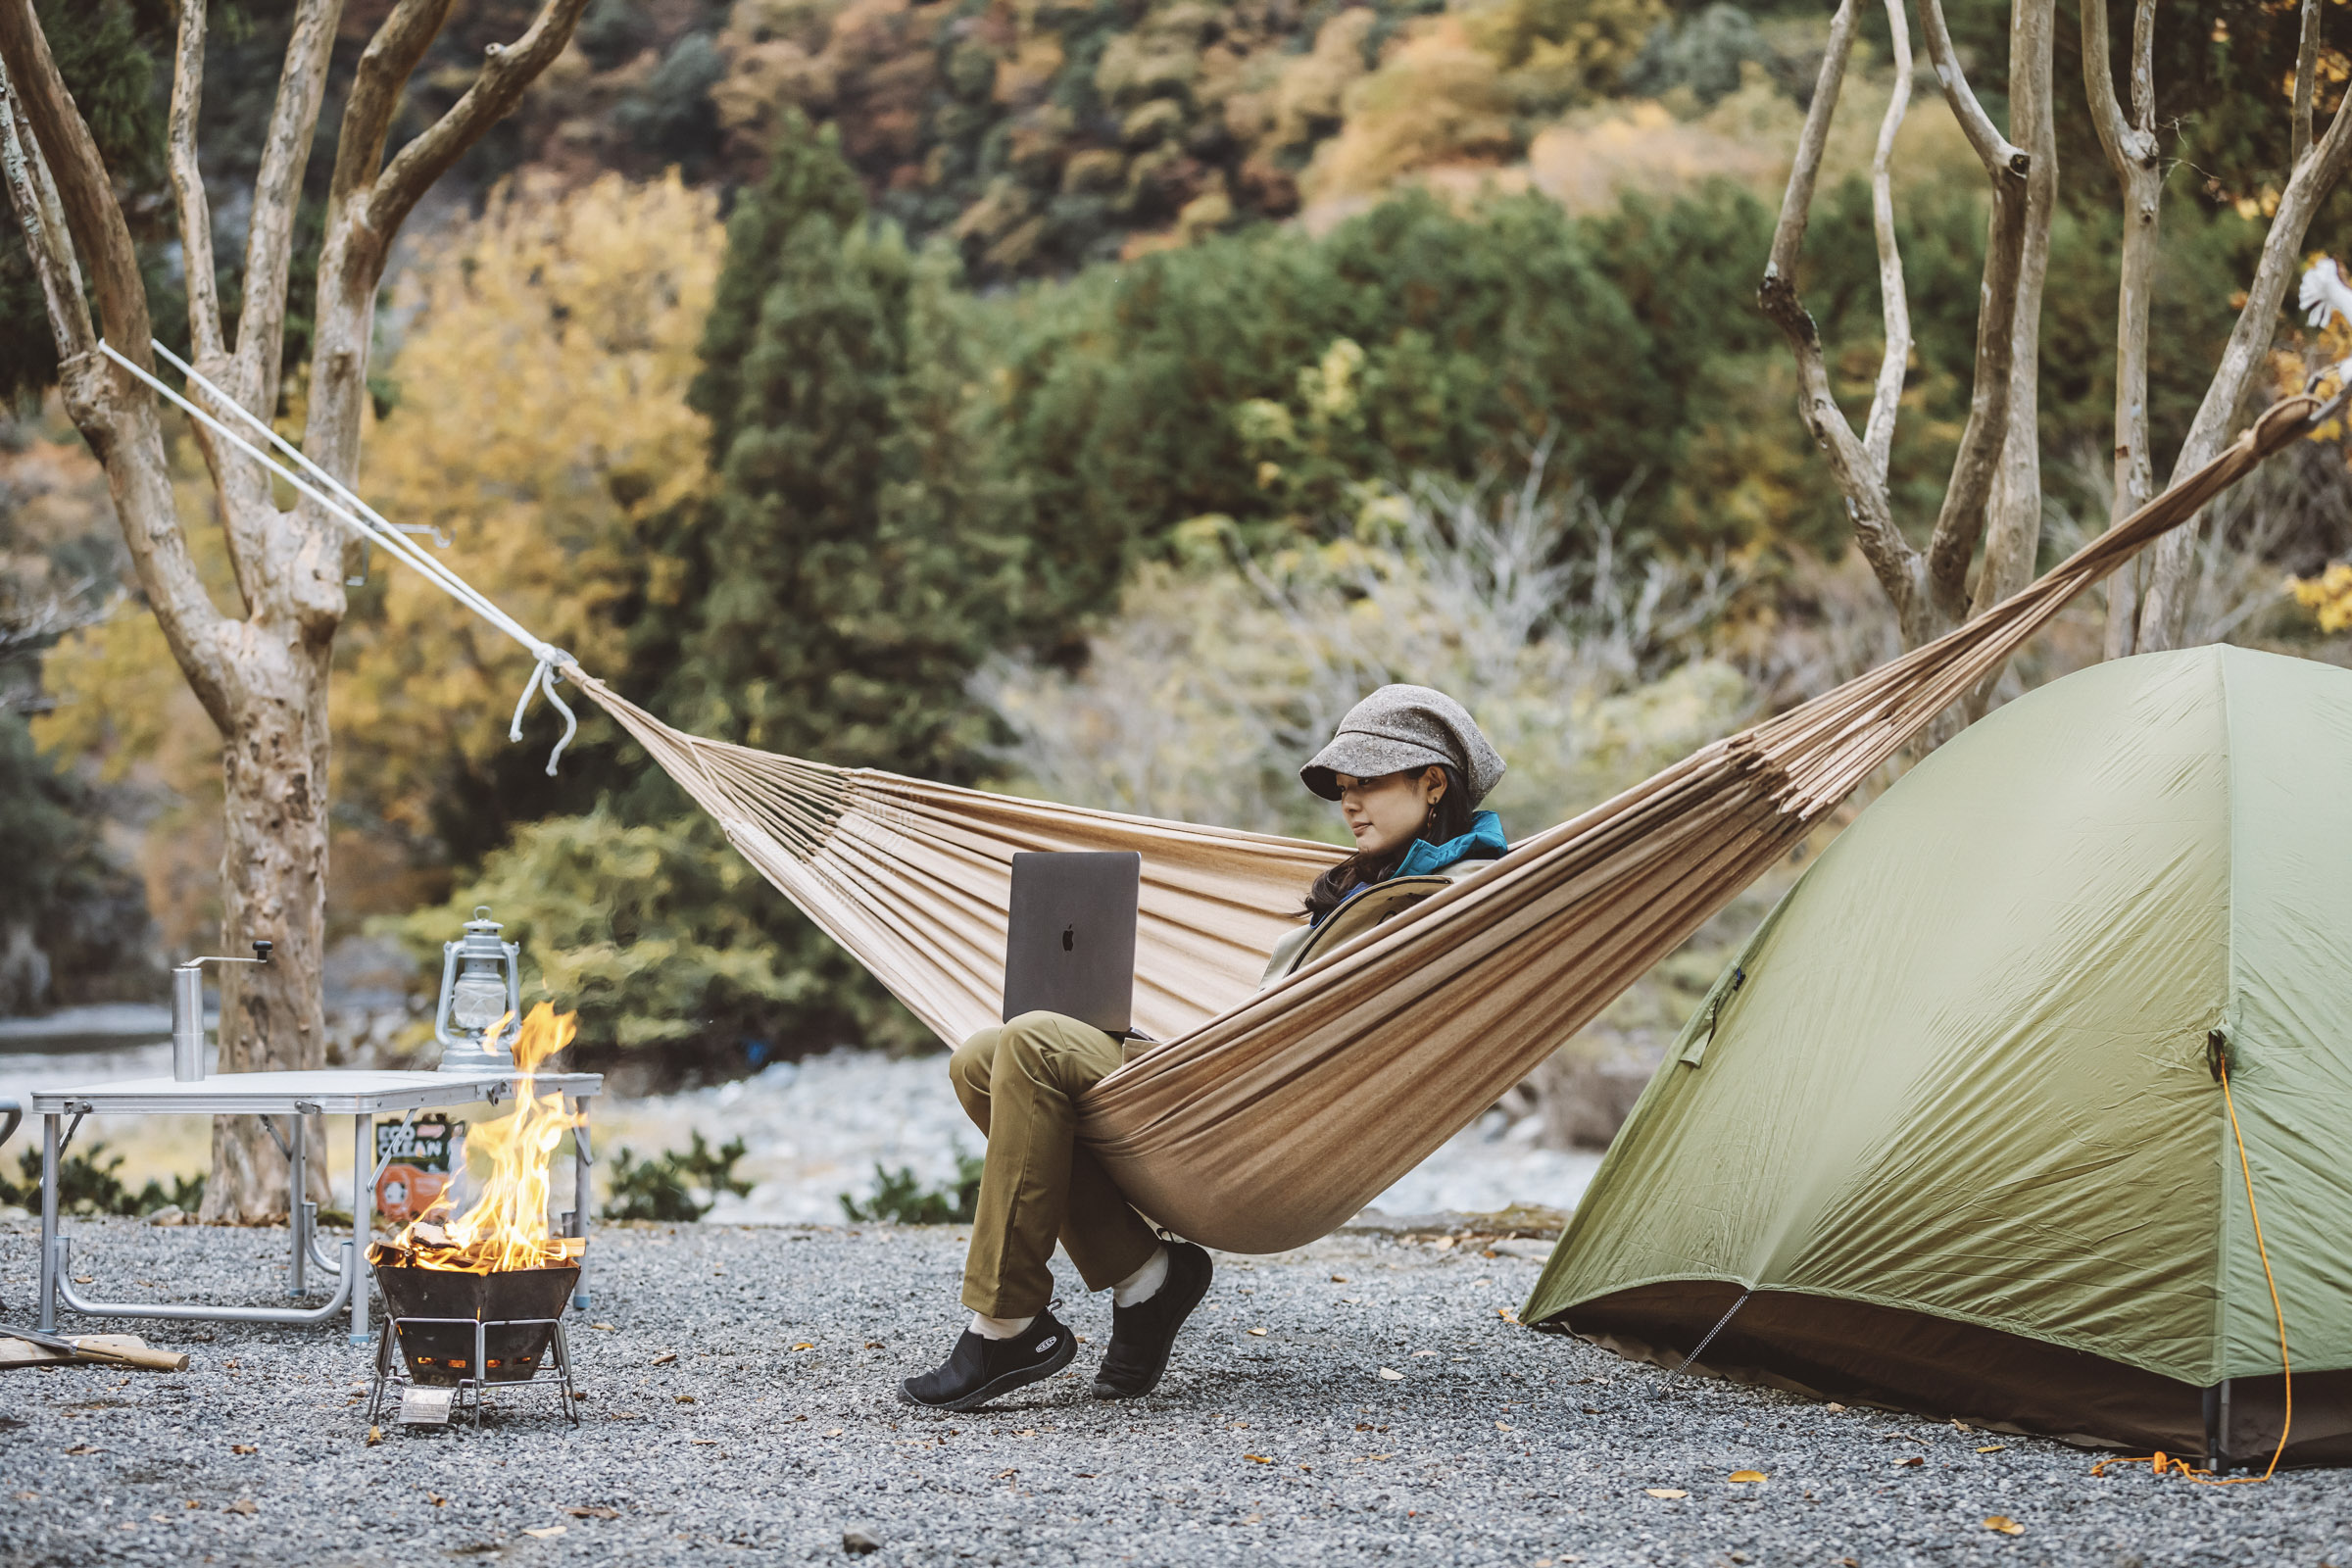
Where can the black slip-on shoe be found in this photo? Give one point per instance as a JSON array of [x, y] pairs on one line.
[[983, 1369], [1142, 1335]]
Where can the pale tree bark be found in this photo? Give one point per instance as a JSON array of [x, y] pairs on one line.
[[1929, 588], [261, 671], [2012, 525], [2172, 566], [1858, 463], [2129, 142]]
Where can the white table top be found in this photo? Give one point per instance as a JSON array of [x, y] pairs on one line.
[[330, 1091]]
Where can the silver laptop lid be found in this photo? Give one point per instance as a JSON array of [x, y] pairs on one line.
[[1070, 945]]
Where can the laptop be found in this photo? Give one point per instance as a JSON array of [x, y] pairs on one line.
[[1070, 945]]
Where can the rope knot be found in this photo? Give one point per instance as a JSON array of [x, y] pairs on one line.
[[544, 675]]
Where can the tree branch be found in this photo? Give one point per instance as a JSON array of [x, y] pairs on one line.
[[33, 195], [252, 377], [187, 187], [1993, 148], [1961, 522], [114, 413], [101, 238], [1894, 309], [1862, 482], [2164, 616], [2131, 152], [509, 71], [2307, 65], [375, 88], [2013, 524]]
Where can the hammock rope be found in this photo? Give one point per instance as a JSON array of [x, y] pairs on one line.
[[1261, 1119]]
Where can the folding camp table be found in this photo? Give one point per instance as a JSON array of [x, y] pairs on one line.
[[361, 1095]]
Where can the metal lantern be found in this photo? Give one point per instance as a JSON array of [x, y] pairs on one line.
[[481, 984]]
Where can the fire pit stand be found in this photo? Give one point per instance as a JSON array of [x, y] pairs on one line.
[[445, 1400]]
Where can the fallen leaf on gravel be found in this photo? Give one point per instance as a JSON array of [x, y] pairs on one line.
[[1993, 1448], [803, 1345], [1744, 1475], [1258, 1458], [1959, 1425], [84, 1447], [85, 1279], [1339, 1278], [1424, 1352], [607, 1327], [1503, 1426], [34, 1497], [877, 1345], [547, 1532], [1834, 1408], [436, 1500], [1509, 1315], [594, 1512], [376, 1435], [1352, 1300], [1389, 1374], [1666, 1492], [666, 1357], [685, 1399], [243, 1447], [2004, 1524], [1001, 1474], [243, 1505], [1259, 1333], [702, 1442], [835, 1433], [1900, 1464], [1442, 1244]]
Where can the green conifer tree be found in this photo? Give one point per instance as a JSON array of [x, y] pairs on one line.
[[840, 614]]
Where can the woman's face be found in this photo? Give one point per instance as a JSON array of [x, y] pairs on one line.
[[1386, 812]]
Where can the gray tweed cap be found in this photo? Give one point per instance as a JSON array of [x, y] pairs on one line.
[[1400, 727]]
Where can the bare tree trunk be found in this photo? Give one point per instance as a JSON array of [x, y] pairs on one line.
[[2013, 522], [2131, 152], [272, 878]]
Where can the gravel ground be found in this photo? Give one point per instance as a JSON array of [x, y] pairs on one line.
[[738, 1406]]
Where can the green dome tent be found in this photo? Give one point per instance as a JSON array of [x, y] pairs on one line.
[[1951, 1122]]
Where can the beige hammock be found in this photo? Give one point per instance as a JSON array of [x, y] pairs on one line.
[[1267, 1118]]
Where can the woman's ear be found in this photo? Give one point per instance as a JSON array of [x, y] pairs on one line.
[[1433, 779]]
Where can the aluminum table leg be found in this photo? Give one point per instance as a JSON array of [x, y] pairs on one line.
[[355, 1261], [48, 1304]]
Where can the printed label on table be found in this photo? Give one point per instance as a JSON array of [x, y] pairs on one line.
[[421, 1159]]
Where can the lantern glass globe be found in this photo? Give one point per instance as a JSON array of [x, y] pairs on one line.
[[478, 999]]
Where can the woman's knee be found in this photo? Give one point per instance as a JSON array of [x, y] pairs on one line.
[[969, 1063]]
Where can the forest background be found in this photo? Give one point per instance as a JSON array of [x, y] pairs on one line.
[[1090, 400]]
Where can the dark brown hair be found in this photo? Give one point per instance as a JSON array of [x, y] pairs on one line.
[[1450, 820]]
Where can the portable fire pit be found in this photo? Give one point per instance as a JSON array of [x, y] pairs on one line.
[[477, 1298], [454, 1332]]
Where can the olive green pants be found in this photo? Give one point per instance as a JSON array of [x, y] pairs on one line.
[[1020, 1083]]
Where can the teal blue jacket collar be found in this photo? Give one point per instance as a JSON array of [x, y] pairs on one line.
[[1484, 842]]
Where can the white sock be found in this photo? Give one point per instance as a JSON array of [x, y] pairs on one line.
[[1145, 1282], [1000, 1328]]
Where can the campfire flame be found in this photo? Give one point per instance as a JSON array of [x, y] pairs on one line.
[[507, 1227]]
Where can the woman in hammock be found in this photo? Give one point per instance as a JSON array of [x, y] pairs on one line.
[[1408, 768]]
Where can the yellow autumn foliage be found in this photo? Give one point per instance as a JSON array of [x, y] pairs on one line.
[[2328, 596], [541, 426]]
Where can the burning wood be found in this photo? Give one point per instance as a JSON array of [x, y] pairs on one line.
[[507, 1228]]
